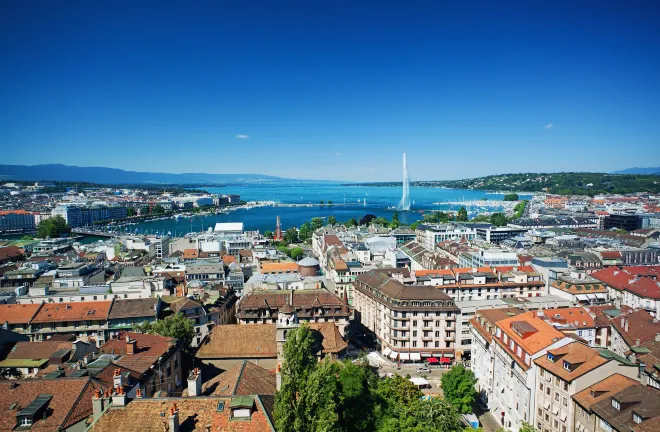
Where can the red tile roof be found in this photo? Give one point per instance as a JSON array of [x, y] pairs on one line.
[[10, 252], [148, 349], [641, 325], [18, 313], [73, 311]]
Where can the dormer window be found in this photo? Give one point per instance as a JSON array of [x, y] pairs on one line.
[[25, 421], [567, 366], [637, 418], [551, 357], [616, 404], [241, 407]]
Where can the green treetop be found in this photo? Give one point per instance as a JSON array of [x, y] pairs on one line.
[[458, 387], [317, 223], [462, 215], [53, 227], [332, 220], [177, 326]]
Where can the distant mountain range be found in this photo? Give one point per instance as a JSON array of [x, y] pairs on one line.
[[639, 171], [101, 175]]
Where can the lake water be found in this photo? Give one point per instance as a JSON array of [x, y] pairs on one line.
[[348, 202]]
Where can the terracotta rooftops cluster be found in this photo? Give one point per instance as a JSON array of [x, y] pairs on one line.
[[639, 280]]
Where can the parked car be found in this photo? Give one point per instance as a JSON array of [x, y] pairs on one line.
[[423, 370], [389, 375]]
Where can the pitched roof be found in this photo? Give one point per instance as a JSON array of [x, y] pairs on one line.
[[639, 399], [244, 378], [641, 325], [18, 313], [536, 334], [602, 390], [184, 303], [580, 357], [395, 289], [73, 311], [66, 407], [194, 415], [36, 350], [148, 349], [133, 308], [10, 252], [240, 341], [576, 317]]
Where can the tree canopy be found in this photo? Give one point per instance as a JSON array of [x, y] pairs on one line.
[[177, 326], [332, 220], [291, 235], [317, 223], [53, 227], [296, 253], [305, 232], [343, 396], [351, 223], [367, 219], [498, 219], [458, 387], [462, 215], [511, 197]]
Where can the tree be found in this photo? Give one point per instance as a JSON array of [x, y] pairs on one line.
[[367, 219], [159, 209], [481, 218], [305, 232], [511, 197], [299, 362], [458, 387], [395, 217], [291, 235], [296, 253], [322, 203], [332, 220], [130, 211], [317, 223], [285, 250], [177, 326], [144, 210], [268, 234], [53, 227], [382, 221], [330, 203], [498, 219], [414, 225], [351, 223], [462, 215]]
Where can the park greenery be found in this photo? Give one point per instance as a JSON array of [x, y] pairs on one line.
[[458, 388], [53, 227], [345, 396]]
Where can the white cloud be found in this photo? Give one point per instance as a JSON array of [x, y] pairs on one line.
[[337, 154], [371, 169], [548, 126], [241, 136]]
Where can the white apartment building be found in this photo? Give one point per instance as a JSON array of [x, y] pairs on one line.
[[488, 258], [518, 341], [411, 322], [430, 235]]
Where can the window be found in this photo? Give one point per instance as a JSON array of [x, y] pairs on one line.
[[414, 344], [547, 390], [563, 428], [541, 387], [414, 323], [547, 417], [616, 404], [637, 419], [556, 397], [565, 386], [25, 421], [564, 401], [539, 412], [541, 372], [567, 366], [557, 381], [555, 424], [605, 426]]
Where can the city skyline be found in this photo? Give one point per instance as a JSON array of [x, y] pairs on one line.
[[334, 92]]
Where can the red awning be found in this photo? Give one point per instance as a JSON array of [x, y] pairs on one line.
[[445, 360], [432, 360]]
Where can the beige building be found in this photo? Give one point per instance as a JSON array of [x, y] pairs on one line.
[[584, 419], [411, 322], [566, 371]]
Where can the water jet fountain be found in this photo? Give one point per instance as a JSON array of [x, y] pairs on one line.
[[404, 204]]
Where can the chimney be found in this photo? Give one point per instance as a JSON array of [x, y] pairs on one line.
[[119, 397], [626, 325], [637, 342], [130, 345], [195, 383], [97, 404], [138, 393], [657, 337], [117, 379], [617, 303], [174, 419]]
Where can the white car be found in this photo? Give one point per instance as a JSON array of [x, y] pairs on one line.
[[423, 370], [389, 375]]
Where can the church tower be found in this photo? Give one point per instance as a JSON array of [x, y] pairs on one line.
[[287, 320]]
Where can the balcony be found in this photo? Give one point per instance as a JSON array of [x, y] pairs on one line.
[[450, 338], [400, 338], [427, 338]]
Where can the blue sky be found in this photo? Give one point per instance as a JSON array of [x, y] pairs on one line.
[[331, 90]]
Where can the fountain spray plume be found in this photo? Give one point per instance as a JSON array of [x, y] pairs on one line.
[[405, 198]]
